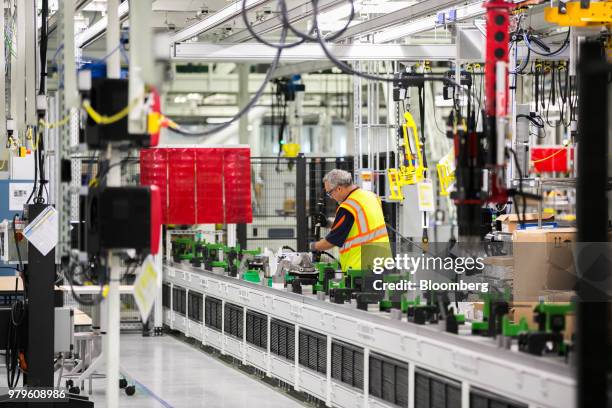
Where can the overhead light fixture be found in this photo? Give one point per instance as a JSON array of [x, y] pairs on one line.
[[428, 23], [213, 121], [385, 7], [193, 96]]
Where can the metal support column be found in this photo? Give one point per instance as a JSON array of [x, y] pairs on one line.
[[113, 62], [113, 304], [68, 134], [18, 75], [141, 61], [241, 235], [31, 47], [592, 222], [243, 99], [41, 311], [158, 312], [3, 135], [300, 204]]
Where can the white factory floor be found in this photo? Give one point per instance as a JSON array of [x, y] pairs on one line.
[[170, 373]]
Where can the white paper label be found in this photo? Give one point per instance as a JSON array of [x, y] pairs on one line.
[[426, 196], [145, 287], [18, 195], [42, 231]]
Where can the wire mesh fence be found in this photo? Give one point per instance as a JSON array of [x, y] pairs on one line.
[[274, 203], [278, 186]]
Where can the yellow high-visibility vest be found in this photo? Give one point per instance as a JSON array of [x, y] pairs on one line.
[[369, 227]]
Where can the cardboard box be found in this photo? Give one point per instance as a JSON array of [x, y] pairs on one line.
[[543, 261], [510, 222], [503, 261]]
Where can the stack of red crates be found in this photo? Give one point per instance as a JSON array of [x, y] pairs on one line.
[[200, 185]]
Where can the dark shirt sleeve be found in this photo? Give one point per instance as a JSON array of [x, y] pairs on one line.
[[341, 227]]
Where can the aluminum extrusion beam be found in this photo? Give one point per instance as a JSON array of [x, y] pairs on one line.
[[215, 19], [301, 68], [228, 84], [208, 52], [261, 53], [97, 29]]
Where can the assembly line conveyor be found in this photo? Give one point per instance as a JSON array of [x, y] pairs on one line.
[[352, 358]]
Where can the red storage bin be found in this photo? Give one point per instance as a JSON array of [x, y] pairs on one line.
[[237, 186], [551, 159], [181, 186], [154, 172], [209, 185]]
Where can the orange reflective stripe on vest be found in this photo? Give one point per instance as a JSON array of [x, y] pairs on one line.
[[360, 212], [366, 238]]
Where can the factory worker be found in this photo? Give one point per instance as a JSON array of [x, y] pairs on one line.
[[359, 221]]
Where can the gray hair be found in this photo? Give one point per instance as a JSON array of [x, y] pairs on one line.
[[338, 177]]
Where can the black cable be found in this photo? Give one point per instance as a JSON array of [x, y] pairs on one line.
[[71, 282], [561, 48], [41, 165], [35, 178], [282, 126], [43, 45], [536, 120], [421, 91], [521, 69], [521, 193], [319, 38], [409, 240], [433, 106], [552, 97], [14, 344], [480, 90], [289, 248], [309, 37], [17, 245], [564, 92], [282, 45], [553, 87], [255, 98], [543, 88], [39, 159], [536, 85], [103, 173], [330, 255]]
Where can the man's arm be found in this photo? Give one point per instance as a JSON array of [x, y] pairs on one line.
[[321, 245], [338, 233]]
